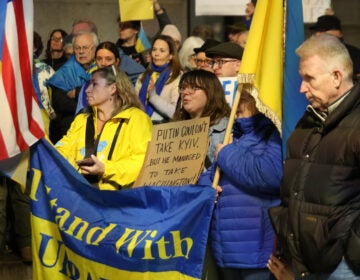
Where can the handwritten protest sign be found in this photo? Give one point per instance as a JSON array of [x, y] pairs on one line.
[[176, 154], [136, 10], [229, 85]]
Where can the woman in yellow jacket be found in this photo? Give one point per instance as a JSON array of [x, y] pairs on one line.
[[107, 144]]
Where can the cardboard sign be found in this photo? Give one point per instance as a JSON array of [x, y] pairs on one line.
[[229, 85], [176, 153]]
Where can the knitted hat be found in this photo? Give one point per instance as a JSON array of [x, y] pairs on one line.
[[172, 31]]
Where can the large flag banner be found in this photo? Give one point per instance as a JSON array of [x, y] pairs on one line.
[[21, 124], [80, 232], [294, 103], [264, 57]]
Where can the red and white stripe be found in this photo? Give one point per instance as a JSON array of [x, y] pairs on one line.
[[21, 123]]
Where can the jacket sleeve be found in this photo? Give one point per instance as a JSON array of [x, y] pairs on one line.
[[62, 103], [257, 168], [74, 138], [165, 103], [125, 167]]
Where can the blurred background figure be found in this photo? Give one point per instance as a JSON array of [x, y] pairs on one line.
[[201, 60], [238, 33], [204, 31], [54, 53], [41, 74], [331, 24], [172, 31], [187, 53], [249, 12]]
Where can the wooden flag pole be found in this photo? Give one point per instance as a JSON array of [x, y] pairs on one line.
[[243, 79]]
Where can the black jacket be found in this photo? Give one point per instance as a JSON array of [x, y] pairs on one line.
[[320, 190]]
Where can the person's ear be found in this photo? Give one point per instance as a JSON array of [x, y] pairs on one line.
[[337, 78], [113, 89]]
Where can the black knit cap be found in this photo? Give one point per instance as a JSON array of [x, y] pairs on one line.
[[325, 23], [226, 50], [209, 43]]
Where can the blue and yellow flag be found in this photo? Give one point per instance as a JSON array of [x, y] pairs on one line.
[[294, 103], [270, 56], [263, 56], [142, 42], [80, 232]]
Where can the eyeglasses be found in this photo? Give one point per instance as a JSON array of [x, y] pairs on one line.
[[203, 61], [84, 48], [220, 62], [57, 39], [189, 89]]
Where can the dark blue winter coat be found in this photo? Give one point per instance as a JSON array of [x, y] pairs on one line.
[[251, 170]]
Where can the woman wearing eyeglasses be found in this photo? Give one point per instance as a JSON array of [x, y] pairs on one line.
[[55, 56], [107, 143], [202, 95]]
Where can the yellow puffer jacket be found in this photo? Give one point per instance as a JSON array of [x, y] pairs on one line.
[[128, 154]]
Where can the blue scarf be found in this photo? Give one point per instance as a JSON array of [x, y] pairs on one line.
[[159, 85]]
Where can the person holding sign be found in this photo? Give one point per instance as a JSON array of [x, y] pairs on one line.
[[158, 85], [202, 95], [251, 170], [107, 143]]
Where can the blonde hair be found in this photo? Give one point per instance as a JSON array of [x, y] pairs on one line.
[[125, 93]]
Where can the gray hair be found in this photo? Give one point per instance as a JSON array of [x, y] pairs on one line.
[[93, 35], [329, 49]]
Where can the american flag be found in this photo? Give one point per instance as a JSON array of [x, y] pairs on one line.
[[21, 124]]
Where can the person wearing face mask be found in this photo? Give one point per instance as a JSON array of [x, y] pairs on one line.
[[157, 87], [100, 143], [251, 170]]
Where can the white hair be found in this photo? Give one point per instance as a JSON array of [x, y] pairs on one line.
[[187, 49]]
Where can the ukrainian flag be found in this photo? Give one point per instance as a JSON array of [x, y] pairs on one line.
[[270, 55], [79, 232], [142, 42]]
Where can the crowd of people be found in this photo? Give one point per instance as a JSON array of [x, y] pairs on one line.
[[272, 219]]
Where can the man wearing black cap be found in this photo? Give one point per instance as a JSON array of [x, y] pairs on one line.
[[227, 59], [330, 24], [202, 62]]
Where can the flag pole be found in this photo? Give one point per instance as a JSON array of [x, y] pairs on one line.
[[242, 79]]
